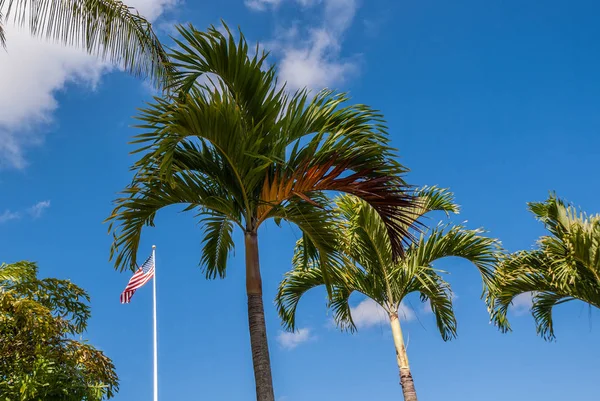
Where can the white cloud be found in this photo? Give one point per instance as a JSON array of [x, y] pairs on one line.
[[313, 62], [368, 313], [32, 70], [8, 216], [309, 55], [38, 209], [152, 9], [34, 211], [292, 340], [522, 303], [261, 5]]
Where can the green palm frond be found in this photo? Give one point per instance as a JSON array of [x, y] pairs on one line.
[[244, 76], [363, 234], [459, 242], [436, 290], [296, 283], [217, 244], [142, 200], [107, 28], [564, 267], [543, 304], [435, 199], [366, 265]]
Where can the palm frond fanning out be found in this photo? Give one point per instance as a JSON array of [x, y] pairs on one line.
[[365, 264], [107, 28], [228, 140], [564, 267]]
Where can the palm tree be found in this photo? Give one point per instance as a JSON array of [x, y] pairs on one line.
[[564, 267], [107, 28], [238, 150], [367, 267]]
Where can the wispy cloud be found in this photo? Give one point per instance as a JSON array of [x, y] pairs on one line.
[[522, 303], [261, 5], [8, 216], [34, 211], [292, 340], [32, 71], [368, 313], [38, 209], [310, 54]]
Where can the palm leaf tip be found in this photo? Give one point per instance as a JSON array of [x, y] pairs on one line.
[[217, 244]]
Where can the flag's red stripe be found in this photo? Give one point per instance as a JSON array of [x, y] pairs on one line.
[[138, 279]]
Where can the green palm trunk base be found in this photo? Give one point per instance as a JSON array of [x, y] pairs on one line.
[[256, 322]]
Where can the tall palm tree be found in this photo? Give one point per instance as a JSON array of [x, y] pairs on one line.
[[238, 150], [107, 28], [368, 267], [564, 267]]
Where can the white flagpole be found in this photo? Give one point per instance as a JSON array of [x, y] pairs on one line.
[[154, 315]]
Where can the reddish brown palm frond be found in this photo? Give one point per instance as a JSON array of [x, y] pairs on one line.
[[386, 194]]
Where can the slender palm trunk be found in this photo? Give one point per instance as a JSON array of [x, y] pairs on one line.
[[406, 380], [256, 322]]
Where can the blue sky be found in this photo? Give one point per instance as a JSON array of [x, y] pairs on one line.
[[496, 100]]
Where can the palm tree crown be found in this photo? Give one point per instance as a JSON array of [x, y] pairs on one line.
[[368, 266], [564, 267], [238, 150]]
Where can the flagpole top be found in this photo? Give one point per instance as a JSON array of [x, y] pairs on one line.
[[153, 246]]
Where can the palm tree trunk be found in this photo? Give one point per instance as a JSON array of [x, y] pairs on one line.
[[256, 322], [406, 380]]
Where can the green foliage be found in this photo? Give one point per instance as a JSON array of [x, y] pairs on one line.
[[107, 28], [365, 263], [39, 359], [564, 267], [234, 147]]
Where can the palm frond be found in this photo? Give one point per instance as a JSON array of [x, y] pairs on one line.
[[2, 34], [344, 278], [543, 303], [141, 200], [565, 266], [107, 28], [363, 234], [433, 198], [246, 77], [460, 242], [316, 224], [217, 243], [295, 284], [437, 291], [383, 193]]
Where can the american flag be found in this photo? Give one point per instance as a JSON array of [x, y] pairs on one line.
[[140, 277]]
